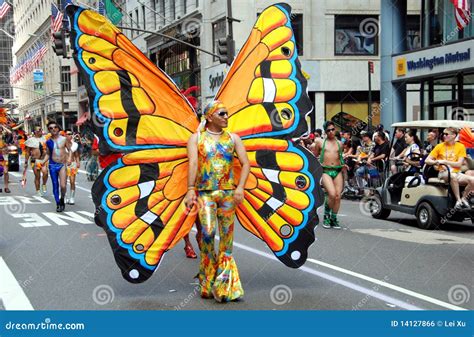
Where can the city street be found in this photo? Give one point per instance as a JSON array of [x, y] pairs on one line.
[[55, 261]]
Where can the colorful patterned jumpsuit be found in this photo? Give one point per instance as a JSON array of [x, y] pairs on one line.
[[218, 274]]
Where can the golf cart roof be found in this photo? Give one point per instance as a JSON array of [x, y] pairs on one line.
[[434, 124]]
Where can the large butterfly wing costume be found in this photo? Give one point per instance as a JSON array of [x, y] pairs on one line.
[[138, 110]]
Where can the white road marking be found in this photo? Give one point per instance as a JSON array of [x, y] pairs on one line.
[[358, 288], [82, 188], [15, 174], [11, 293], [417, 236], [388, 285]]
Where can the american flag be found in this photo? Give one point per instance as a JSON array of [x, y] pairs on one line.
[[39, 54], [56, 19], [462, 12], [4, 7]]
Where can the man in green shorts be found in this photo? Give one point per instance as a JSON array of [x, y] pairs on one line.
[[329, 151]]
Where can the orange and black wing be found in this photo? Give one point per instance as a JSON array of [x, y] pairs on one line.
[[140, 204], [265, 90], [281, 197], [135, 105]]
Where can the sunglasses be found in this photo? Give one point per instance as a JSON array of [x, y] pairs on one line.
[[222, 113], [53, 127], [446, 134], [331, 130]]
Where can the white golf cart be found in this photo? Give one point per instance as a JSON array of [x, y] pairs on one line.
[[421, 194]]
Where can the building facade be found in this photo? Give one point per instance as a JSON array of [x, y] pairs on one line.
[[435, 80], [335, 41], [7, 32], [37, 107]]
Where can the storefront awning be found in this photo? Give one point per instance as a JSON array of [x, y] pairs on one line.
[[82, 119]]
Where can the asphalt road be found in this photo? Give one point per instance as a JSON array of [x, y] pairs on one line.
[[61, 262]]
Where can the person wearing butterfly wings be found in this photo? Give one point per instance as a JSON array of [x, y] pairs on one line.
[[211, 186]]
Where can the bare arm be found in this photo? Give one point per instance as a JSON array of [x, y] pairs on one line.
[[431, 160], [191, 197], [316, 148], [244, 174]]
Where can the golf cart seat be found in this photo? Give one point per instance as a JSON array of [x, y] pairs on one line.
[[430, 174], [437, 181]]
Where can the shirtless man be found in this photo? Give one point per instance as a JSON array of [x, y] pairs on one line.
[[329, 151], [58, 157], [36, 154]]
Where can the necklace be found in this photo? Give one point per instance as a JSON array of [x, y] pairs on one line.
[[215, 133]]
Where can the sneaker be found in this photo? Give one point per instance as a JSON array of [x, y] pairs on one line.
[[326, 222], [39, 193], [71, 201], [335, 223], [43, 189]]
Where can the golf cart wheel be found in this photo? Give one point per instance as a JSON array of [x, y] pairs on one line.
[[376, 207], [427, 217]]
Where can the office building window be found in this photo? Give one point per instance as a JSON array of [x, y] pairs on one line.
[[413, 32], [356, 35], [439, 23], [162, 12], [143, 17], [173, 10], [65, 78], [297, 25], [155, 9]]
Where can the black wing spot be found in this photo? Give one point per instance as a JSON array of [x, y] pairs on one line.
[[115, 199], [286, 114], [286, 51], [301, 182], [118, 132]]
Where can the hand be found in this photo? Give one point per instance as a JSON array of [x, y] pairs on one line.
[[238, 195], [68, 162], [190, 199], [440, 162]]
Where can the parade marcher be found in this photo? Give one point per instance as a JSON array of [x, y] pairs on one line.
[[73, 165], [330, 155], [5, 141], [56, 146], [211, 185], [36, 154]]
